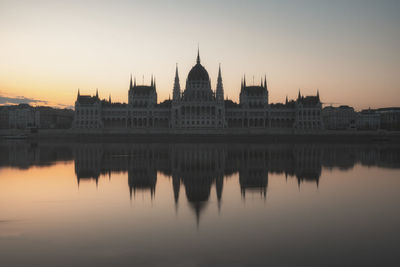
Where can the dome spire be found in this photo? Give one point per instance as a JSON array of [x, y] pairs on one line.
[[198, 54]]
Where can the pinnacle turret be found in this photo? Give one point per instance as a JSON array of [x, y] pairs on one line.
[[220, 88], [177, 88], [265, 83]]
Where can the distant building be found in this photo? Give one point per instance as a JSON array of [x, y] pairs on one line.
[[339, 118], [198, 107], [368, 119], [47, 117], [4, 123], [390, 118], [24, 116]]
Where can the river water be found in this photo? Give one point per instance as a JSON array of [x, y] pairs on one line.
[[176, 204]]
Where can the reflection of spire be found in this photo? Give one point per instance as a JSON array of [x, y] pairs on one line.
[[218, 187], [176, 184], [198, 207]]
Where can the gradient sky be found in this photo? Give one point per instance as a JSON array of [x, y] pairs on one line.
[[349, 50]]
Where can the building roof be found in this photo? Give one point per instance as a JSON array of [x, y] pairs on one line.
[[142, 90], [87, 99], [198, 73], [309, 100], [105, 103], [253, 90], [230, 104], [389, 109], [165, 104]]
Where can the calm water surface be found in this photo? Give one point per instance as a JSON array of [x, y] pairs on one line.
[[199, 204]]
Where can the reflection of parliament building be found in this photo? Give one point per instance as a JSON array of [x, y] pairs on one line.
[[197, 107], [200, 167]]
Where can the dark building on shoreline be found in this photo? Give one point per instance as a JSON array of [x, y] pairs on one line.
[[198, 106]]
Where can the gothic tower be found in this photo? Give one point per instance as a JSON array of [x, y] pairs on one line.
[[176, 93], [220, 88]]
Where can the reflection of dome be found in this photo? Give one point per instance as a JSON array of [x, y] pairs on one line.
[[198, 73]]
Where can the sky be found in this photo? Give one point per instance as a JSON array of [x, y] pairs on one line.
[[348, 50]]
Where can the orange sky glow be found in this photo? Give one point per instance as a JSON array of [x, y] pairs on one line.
[[349, 50]]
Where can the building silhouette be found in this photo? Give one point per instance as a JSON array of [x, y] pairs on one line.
[[198, 106]]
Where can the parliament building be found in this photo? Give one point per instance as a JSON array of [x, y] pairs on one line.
[[198, 107]]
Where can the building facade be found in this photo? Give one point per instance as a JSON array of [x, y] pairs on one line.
[[339, 118], [368, 119], [390, 118], [198, 106], [24, 116]]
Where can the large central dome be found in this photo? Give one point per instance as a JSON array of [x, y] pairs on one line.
[[198, 72]]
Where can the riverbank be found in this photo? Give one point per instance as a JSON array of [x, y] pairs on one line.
[[226, 135]]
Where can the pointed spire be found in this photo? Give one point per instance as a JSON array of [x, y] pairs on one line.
[[130, 84], [299, 95], [265, 82], [97, 93], [134, 82], [151, 83], [286, 102], [244, 81], [109, 98], [176, 93], [198, 55], [318, 95], [79, 93], [261, 84], [154, 83], [220, 88], [176, 72]]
